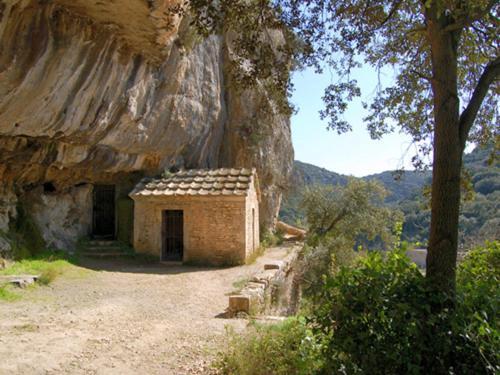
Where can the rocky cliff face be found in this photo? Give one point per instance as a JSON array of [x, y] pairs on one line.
[[96, 92]]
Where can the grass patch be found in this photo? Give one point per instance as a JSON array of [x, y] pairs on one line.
[[48, 275], [238, 285], [27, 327], [48, 265], [6, 294], [269, 239], [257, 253], [286, 348]]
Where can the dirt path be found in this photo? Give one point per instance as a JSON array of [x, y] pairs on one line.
[[123, 318]]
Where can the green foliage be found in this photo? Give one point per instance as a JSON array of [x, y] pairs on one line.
[[166, 174], [325, 258], [287, 348], [187, 36], [6, 294], [47, 264], [341, 218], [260, 50], [391, 36], [478, 292], [255, 254], [270, 239], [48, 275], [24, 235], [382, 317], [372, 317], [357, 208], [478, 218]]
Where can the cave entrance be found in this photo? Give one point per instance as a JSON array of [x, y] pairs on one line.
[[103, 223]]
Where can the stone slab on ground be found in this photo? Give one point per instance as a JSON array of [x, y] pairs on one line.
[[21, 281]]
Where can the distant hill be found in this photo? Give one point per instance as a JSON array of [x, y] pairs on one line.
[[479, 219], [305, 174], [403, 187]]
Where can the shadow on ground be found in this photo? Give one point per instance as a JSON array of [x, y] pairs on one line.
[[139, 266]]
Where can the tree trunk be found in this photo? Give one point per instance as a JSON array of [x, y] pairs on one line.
[[447, 164]]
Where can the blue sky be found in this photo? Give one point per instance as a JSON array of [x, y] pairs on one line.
[[352, 153]]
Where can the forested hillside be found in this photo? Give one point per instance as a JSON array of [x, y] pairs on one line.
[[479, 219]]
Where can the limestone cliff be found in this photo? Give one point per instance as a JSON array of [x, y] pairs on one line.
[[96, 92]]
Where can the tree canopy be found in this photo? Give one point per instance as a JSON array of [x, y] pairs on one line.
[[345, 35]]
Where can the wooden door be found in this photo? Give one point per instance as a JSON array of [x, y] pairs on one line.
[[173, 235], [104, 211]]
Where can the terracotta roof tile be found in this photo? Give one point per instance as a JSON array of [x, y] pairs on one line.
[[211, 182]]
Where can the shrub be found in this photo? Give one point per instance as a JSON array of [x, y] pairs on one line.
[[382, 317], [372, 315], [478, 305], [270, 239], [326, 258], [287, 348], [48, 275]]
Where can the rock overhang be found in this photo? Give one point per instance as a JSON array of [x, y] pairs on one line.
[[144, 27]]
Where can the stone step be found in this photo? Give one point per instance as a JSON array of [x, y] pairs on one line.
[[103, 243], [103, 249]]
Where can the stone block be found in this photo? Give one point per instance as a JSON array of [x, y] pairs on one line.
[[239, 303], [264, 277], [276, 265]]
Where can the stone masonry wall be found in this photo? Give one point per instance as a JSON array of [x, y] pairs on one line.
[[252, 237], [269, 291], [214, 227]]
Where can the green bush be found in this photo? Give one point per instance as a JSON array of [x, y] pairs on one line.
[[326, 258], [48, 275], [478, 304], [270, 239], [287, 348], [381, 317]]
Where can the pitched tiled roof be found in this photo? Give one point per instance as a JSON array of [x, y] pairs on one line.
[[201, 182]]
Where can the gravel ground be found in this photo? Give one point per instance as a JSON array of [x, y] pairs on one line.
[[122, 318]]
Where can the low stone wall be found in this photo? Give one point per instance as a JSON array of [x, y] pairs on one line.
[[264, 292]]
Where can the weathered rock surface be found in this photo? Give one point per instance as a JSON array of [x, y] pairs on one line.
[[92, 91]]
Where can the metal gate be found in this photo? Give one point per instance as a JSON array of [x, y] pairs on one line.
[[173, 235], [104, 211]]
